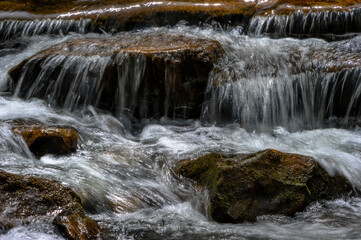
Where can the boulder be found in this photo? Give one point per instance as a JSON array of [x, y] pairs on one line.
[[23, 199], [269, 182], [43, 140], [148, 74]]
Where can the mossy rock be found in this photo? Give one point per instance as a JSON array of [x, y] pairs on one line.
[[264, 183], [23, 198]]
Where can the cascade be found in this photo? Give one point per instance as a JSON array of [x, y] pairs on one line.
[[271, 85], [303, 23], [302, 101], [297, 85], [17, 28]]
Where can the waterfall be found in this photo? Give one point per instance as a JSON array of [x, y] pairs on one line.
[[15, 28], [9, 142], [75, 82], [306, 100], [302, 24]]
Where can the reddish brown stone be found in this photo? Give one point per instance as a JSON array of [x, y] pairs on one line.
[[49, 140]]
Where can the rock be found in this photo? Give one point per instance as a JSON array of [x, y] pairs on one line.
[[276, 18], [264, 183], [77, 227], [149, 74], [303, 19], [23, 199], [48, 140], [125, 15]]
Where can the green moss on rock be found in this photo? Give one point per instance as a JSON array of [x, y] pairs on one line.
[[267, 182]]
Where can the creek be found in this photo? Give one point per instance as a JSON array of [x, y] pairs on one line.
[[272, 96]]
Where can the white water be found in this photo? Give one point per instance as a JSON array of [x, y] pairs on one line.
[[20, 28], [123, 173], [303, 24]]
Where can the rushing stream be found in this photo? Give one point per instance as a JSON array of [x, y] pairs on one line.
[[123, 171]]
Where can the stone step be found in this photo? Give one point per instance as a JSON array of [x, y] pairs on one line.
[[147, 74], [332, 20]]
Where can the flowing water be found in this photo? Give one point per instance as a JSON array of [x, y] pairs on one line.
[[270, 96]]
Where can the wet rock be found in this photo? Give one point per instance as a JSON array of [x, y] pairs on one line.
[[124, 15], [48, 140], [276, 18], [23, 199], [264, 183], [150, 75], [77, 227], [330, 20]]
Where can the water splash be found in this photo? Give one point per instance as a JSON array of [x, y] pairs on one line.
[[9, 142]]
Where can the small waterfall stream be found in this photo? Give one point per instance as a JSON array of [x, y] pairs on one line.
[[10, 29], [304, 23], [296, 96]]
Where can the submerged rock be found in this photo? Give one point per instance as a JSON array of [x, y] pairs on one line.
[[48, 140], [151, 75], [264, 183], [25, 199]]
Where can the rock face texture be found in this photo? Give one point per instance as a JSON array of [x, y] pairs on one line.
[[23, 199], [150, 75], [264, 183], [48, 140]]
